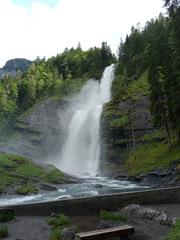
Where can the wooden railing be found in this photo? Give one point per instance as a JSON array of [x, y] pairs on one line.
[[121, 231]]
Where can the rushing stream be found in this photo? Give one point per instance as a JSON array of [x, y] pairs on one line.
[[88, 188]]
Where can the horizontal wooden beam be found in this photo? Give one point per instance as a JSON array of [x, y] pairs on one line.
[[120, 231]]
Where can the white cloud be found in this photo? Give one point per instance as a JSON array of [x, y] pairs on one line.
[[46, 31]]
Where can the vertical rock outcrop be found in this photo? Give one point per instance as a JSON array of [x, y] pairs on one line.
[[123, 133]]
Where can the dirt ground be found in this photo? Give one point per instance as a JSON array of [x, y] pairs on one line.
[[35, 228]]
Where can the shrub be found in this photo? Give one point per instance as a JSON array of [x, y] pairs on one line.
[[55, 233], [6, 215], [3, 231], [174, 234], [106, 215], [58, 220]]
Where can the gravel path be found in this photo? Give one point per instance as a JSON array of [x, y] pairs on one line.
[[28, 228], [35, 228]]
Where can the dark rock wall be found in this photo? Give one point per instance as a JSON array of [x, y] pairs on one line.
[[39, 132], [117, 142]]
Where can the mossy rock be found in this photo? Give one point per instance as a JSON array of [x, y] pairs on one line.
[[53, 176], [26, 189], [30, 170], [16, 170], [120, 122]]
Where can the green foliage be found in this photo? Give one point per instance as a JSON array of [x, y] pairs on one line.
[[55, 233], [138, 88], [6, 179], [110, 110], [53, 176], [6, 216], [153, 54], [15, 169], [119, 111], [106, 215], [151, 156], [58, 220], [29, 169], [26, 189], [120, 122], [174, 233], [155, 136], [3, 231], [60, 75]]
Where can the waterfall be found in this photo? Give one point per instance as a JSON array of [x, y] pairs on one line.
[[81, 151]]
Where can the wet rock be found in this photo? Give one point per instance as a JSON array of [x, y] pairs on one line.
[[98, 186], [159, 177], [164, 219], [47, 187]]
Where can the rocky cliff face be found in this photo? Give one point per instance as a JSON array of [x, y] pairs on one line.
[[15, 65], [123, 131], [40, 131]]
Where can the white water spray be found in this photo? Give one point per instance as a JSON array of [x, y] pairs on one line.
[[81, 152]]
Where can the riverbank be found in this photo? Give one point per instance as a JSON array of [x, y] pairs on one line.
[[84, 213], [20, 175]]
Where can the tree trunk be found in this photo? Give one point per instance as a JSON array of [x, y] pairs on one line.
[[168, 136], [133, 137]]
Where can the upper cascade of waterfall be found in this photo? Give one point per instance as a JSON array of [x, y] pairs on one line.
[[81, 151], [105, 84]]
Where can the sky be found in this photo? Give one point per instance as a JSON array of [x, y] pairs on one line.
[[44, 28]]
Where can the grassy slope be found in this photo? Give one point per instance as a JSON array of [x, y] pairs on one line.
[[148, 157], [17, 170]]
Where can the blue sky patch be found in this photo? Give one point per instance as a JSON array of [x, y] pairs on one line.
[[28, 3]]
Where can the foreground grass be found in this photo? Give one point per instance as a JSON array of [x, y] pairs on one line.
[[20, 170], [57, 222], [151, 156], [175, 232], [3, 231], [106, 215]]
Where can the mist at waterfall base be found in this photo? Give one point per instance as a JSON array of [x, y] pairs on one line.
[[82, 146]]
